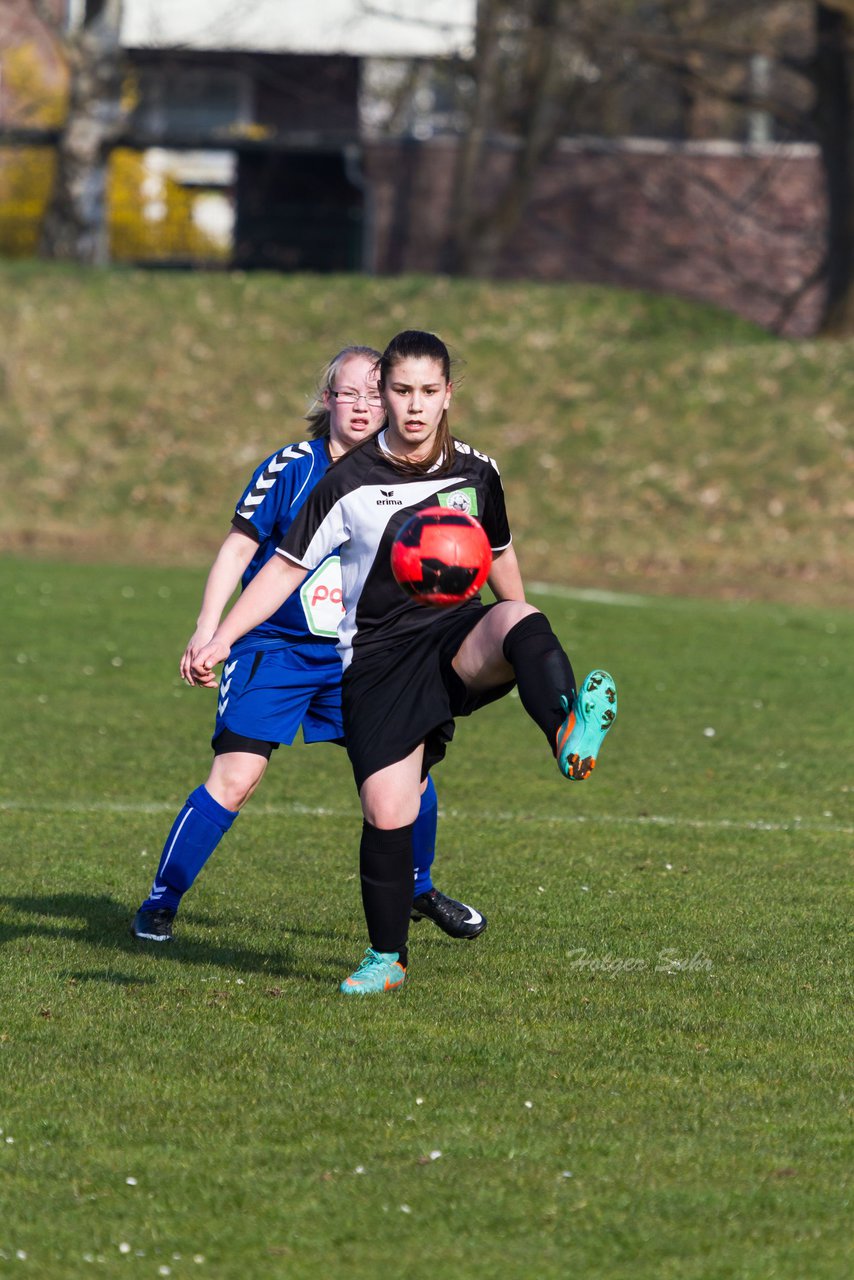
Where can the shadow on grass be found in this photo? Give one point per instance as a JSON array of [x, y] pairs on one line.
[[101, 921], [105, 975]]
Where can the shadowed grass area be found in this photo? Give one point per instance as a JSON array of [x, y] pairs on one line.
[[645, 442], [637, 1071]]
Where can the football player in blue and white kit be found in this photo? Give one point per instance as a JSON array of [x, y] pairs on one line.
[[286, 673]]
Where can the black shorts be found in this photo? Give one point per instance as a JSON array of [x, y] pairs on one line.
[[409, 693]]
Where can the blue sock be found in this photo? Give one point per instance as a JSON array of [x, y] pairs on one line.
[[195, 834], [424, 840]]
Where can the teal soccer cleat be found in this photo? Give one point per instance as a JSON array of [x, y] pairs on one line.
[[379, 971], [579, 738]]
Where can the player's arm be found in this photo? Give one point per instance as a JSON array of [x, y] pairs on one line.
[[226, 571], [266, 593], [505, 579]]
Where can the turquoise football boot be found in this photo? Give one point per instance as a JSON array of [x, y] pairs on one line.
[[579, 738], [379, 971]]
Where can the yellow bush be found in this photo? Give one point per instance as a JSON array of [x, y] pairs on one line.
[[151, 215], [26, 179]]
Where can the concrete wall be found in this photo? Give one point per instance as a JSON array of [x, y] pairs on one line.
[[739, 227]]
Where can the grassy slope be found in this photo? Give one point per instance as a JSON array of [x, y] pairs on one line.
[[643, 441], [699, 1112]]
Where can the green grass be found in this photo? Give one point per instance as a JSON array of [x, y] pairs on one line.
[[600, 1110], [645, 442]]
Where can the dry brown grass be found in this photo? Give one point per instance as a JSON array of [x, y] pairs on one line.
[[645, 444]]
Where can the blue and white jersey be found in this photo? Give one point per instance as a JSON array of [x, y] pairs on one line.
[[266, 511]]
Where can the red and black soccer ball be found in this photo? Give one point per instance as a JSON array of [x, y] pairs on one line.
[[441, 557]]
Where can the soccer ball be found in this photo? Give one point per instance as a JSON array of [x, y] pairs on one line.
[[441, 557]]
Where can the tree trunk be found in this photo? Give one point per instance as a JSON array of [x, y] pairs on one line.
[[74, 228], [480, 228], [493, 229], [834, 77], [472, 148]]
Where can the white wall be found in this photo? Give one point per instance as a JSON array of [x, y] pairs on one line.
[[364, 28]]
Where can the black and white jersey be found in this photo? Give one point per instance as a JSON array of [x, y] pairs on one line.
[[359, 506]]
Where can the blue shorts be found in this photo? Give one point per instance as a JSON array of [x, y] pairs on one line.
[[269, 693]]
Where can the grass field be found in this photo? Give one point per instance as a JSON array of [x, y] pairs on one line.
[[637, 1072]]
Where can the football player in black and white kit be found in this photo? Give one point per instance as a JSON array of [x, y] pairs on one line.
[[285, 675], [409, 670]]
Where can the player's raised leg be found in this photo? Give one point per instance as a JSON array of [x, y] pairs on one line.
[[519, 640]]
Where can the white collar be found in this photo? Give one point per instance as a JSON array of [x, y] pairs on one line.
[[381, 441]]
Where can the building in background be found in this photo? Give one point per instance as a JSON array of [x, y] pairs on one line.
[[260, 109], [245, 122], [327, 137]]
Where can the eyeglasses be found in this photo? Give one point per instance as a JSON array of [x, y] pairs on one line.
[[373, 398]]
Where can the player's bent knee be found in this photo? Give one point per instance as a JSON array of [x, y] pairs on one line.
[[234, 778], [482, 652], [509, 612]]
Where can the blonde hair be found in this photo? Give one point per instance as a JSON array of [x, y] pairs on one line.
[[318, 415]]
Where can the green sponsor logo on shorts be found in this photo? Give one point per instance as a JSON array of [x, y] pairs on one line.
[[464, 500]]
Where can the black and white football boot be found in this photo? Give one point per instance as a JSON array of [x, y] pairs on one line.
[[456, 919], [153, 926]]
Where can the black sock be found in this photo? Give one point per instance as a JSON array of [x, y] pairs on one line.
[[385, 864], [543, 672]]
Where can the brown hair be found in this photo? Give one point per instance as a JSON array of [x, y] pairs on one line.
[[318, 415], [413, 344]]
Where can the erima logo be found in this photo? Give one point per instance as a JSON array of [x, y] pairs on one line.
[[388, 499]]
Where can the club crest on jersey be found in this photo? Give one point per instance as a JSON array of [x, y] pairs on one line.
[[387, 499], [464, 500]]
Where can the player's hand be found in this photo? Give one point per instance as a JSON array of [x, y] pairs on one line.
[[197, 641], [205, 660]]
